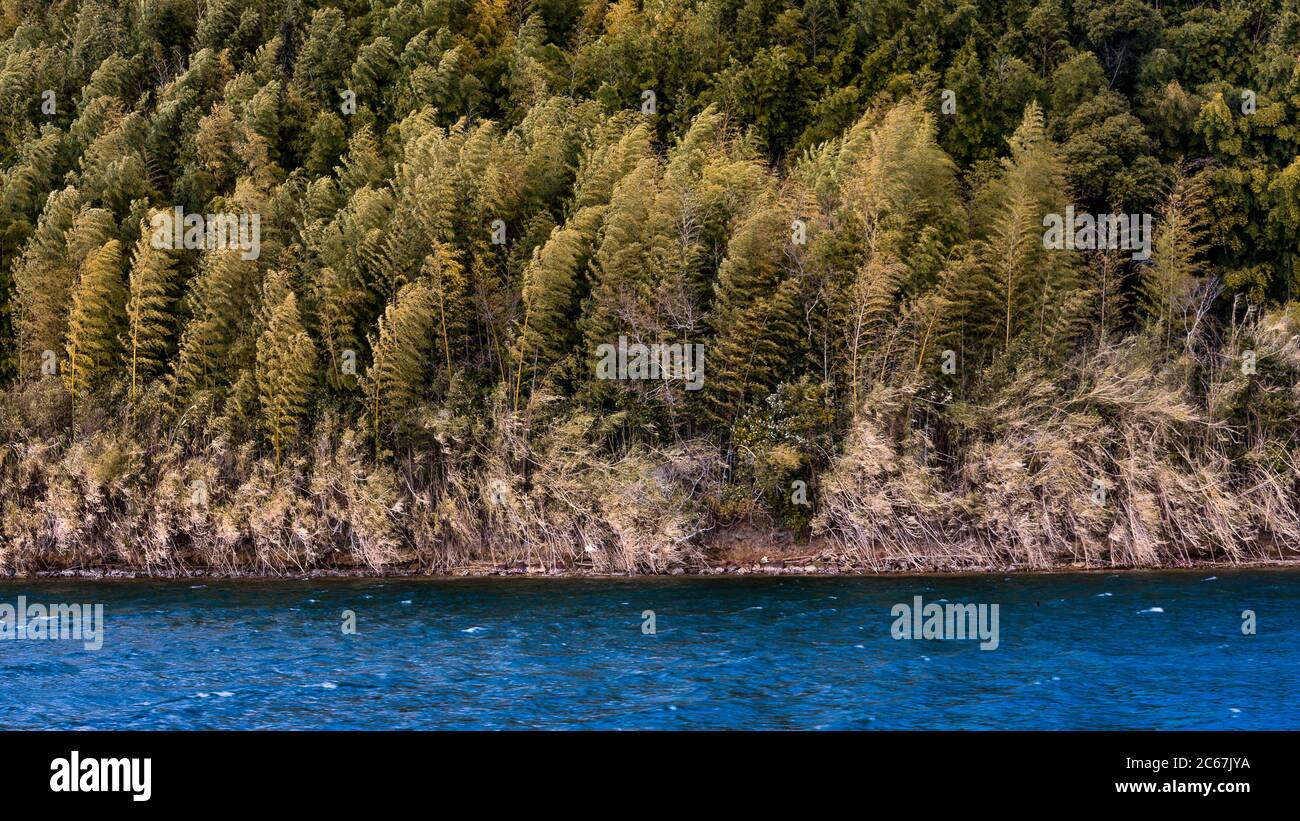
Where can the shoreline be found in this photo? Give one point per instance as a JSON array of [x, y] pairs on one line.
[[771, 569], [738, 551]]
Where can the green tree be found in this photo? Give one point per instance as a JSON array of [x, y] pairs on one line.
[[1023, 286], [149, 313], [449, 292], [753, 314], [45, 278], [95, 322], [550, 297], [1170, 284], [395, 379], [286, 362]]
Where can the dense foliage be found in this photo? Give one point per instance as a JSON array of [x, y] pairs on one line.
[[460, 201]]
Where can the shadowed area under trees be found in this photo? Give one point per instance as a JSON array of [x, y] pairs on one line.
[[842, 203]]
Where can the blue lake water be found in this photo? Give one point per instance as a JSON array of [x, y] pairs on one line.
[[1076, 651]]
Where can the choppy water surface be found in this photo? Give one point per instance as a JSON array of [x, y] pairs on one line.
[[1149, 650]]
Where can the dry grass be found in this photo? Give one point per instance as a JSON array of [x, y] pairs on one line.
[[1198, 463], [549, 500], [1023, 493]]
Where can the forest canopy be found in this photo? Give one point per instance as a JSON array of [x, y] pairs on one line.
[[581, 284]]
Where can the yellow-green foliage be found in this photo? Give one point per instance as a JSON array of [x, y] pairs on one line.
[[395, 379], [95, 321], [458, 204], [149, 316], [286, 366]]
